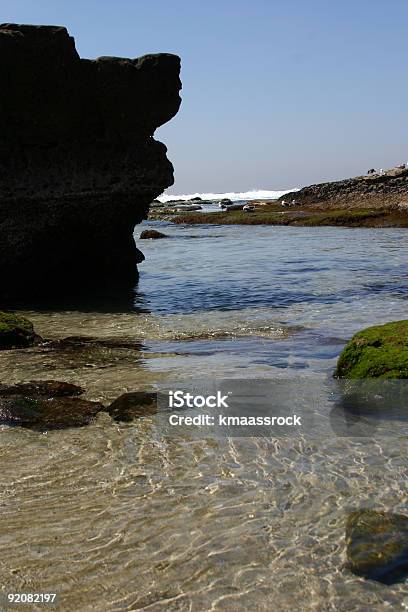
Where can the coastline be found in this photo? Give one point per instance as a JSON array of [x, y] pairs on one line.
[[271, 213]]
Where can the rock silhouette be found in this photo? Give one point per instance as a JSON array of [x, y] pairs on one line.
[[78, 162]]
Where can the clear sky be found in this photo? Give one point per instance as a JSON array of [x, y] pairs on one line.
[[276, 94]]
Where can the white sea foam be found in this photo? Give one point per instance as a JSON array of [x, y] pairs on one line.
[[255, 194]]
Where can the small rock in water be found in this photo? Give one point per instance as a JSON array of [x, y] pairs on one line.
[[376, 352], [377, 545], [47, 388], [148, 234], [16, 332], [41, 413], [133, 405]]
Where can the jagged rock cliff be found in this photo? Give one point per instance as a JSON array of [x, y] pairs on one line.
[[78, 162], [378, 190]]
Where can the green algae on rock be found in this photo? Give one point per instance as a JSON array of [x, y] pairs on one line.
[[377, 545], [15, 331], [376, 352]]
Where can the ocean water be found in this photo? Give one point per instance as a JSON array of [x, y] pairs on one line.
[[235, 196], [137, 516]]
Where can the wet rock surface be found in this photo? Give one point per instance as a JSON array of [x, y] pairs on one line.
[[44, 405], [377, 545], [78, 162], [130, 406], [47, 388], [40, 413], [16, 332]]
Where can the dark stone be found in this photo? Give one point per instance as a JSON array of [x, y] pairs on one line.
[[196, 199], [234, 207], [377, 545], [47, 388], [39, 413], [149, 234], [16, 332], [78, 162], [130, 406]]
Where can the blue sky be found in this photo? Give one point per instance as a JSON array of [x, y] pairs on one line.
[[275, 94]]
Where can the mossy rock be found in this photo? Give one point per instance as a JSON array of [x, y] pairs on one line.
[[377, 545], [15, 331], [376, 352]]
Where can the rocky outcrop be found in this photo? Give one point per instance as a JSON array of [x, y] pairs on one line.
[[386, 190], [78, 162]]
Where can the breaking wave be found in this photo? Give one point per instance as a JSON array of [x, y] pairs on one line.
[[261, 194]]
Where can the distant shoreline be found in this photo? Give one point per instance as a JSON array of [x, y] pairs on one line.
[[377, 199], [272, 214]]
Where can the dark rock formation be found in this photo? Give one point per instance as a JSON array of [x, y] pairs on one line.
[[375, 190], [149, 234], [16, 332], [41, 413], [47, 404], [78, 162], [377, 545]]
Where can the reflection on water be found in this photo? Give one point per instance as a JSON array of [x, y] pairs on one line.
[[134, 516]]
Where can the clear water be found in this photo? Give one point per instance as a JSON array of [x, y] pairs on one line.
[[129, 517]]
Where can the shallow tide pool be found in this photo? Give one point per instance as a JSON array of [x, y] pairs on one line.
[[136, 516]]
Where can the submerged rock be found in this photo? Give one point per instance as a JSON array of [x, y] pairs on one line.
[[78, 162], [47, 388], [133, 405], [79, 352], [46, 404], [148, 234], [90, 342], [377, 545], [36, 412], [16, 332], [376, 352]]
